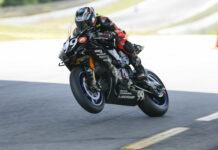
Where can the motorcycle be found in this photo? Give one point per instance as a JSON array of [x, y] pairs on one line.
[[94, 58]]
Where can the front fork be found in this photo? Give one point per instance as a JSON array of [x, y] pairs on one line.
[[90, 71]]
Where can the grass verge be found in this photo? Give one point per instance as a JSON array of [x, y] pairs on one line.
[[53, 29]]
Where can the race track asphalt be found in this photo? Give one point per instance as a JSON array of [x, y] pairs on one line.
[[45, 116]]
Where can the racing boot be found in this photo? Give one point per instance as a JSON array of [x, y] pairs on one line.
[[138, 48], [140, 71]]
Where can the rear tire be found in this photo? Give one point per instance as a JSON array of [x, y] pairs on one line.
[[91, 103], [152, 106]]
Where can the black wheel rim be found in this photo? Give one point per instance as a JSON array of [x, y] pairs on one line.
[[162, 101], [95, 98]]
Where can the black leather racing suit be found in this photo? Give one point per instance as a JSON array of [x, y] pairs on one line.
[[104, 24]]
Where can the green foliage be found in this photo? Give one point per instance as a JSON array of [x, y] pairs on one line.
[[1, 2], [44, 1], [19, 2], [22, 2]]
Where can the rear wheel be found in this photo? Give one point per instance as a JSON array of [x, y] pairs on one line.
[[152, 105], [91, 101]]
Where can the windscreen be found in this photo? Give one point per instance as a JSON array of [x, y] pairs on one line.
[[71, 28]]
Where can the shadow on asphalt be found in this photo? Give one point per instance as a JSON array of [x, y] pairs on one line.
[[34, 112], [33, 96]]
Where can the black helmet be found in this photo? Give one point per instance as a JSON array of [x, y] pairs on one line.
[[85, 18]]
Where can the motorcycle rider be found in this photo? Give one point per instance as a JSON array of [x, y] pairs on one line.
[[87, 18]]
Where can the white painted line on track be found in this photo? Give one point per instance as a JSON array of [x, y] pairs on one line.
[[209, 117], [154, 139]]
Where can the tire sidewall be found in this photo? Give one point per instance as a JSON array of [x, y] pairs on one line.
[[149, 107], [79, 94]]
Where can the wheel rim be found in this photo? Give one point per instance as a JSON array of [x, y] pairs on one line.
[[94, 98], [162, 101]]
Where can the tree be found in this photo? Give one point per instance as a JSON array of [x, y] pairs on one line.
[[1, 2], [44, 1]]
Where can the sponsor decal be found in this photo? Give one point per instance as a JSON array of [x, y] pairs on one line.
[[98, 25], [82, 39]]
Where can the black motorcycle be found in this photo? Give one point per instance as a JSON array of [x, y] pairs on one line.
[[100, 74]]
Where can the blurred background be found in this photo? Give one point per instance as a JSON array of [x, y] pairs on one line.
[[48, 19], [179, 38], [37, 108]]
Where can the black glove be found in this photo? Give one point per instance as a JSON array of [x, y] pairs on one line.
[[91, 35], [113, 35], [108, 35]]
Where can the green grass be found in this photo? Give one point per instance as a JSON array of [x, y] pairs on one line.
[[53, 29], [213, 31], [120, 5], [28, 10], [8, 33]]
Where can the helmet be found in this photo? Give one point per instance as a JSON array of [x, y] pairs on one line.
[[85, 18]]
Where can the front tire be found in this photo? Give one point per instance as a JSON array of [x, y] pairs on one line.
[[153, 106], [92, 102]]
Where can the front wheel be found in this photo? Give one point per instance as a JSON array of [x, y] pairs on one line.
[[152, 105], [92, 102]]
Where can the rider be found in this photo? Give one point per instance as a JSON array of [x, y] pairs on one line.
[[86, 18]]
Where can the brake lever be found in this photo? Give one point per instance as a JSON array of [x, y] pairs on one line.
[[61, 64]]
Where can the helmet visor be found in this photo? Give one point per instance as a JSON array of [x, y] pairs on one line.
[[81, 25]]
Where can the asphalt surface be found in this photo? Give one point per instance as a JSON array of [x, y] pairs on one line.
[[36, 116]]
